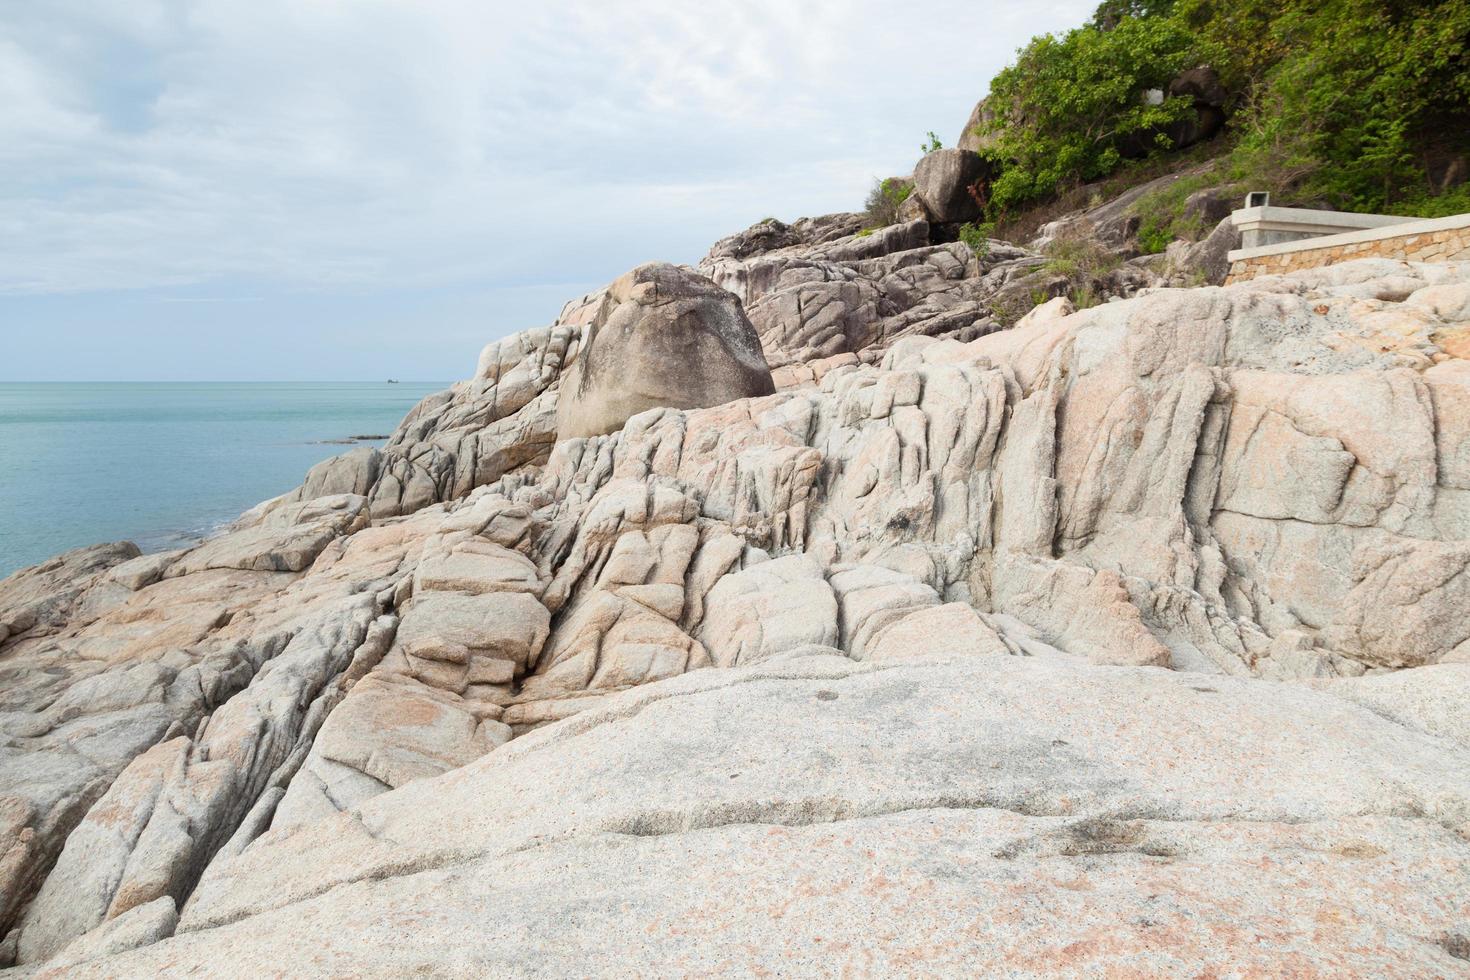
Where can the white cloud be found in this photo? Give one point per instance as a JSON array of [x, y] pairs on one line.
[[327, 143]]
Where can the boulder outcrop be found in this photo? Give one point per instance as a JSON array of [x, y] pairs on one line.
[[822, 303], [973, 136], [663, 336], [945, 181], [1131, 617]]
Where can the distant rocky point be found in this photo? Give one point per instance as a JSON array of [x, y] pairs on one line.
[[349, 440]]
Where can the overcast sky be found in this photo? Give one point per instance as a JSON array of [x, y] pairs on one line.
[[361, 189]]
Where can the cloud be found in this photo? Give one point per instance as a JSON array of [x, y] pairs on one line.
[[340, 145]]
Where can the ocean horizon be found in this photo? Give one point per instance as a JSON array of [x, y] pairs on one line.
[[164, 464]]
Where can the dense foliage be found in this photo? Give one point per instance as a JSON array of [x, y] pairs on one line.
[[1356, 104], [1062, 112]]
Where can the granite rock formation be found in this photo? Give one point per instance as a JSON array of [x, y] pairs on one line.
[[1070, 644], [945, 183], [662, 336]]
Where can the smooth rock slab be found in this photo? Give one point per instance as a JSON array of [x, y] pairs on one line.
[[816, 814], [927, 892]]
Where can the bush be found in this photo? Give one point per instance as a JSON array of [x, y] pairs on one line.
[[930, 145], [884, 200], [1453, 201], [1063, 111], [1162, 217], [1084, 262], [1153, 238], [1084, 296], [977, 236], [1337, 103]]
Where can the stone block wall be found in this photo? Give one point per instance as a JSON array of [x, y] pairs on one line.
[[1412, 244]]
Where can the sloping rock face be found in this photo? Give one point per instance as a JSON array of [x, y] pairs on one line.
[[820, 302], [500, 420], [1065, 647], [195, 676], [971, 137], [663, 337], [986, 813], [1114, 225]]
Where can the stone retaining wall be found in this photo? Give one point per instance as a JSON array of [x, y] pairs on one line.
[[1436, 240]]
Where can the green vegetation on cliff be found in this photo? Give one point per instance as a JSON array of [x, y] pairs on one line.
[[1353, 104], [1064, 110]]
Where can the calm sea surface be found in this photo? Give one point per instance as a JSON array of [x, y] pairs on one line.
[[164, 464]]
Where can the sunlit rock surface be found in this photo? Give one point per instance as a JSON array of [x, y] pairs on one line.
[[1070, 646]]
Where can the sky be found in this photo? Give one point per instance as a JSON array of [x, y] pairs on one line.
[[236, 190]]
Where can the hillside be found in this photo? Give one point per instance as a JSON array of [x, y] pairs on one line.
[[1145, 127], [1345, 104]]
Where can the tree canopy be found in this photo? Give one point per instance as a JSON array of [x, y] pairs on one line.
[[1355, 104]]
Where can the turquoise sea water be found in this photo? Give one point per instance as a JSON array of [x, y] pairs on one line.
[[164, 464]]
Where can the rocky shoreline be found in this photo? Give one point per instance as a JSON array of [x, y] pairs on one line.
[[1126, 638]]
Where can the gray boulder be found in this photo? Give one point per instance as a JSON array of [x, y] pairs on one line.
[[972, 138], [1206, 262], [666, 337], [943, 180], [1203, 85], [763, 236], [1209, 207]]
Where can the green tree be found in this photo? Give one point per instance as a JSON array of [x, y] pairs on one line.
[[1343, 102], [884, 201], [1064, 112], [1360, 89]]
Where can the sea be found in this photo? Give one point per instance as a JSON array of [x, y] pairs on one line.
[[165, 465]]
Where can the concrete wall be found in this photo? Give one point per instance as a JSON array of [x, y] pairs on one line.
[[1436, 240], [1273, 226]]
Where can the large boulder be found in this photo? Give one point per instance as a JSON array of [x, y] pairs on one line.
[[1209, 102], [1203, 85], [665, 337], [943, 182], [973, 137], [1206, 262]]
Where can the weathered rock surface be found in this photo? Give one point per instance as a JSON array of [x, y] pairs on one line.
[[663, 336], [945, 182], [1133, 618], [1205, 262], [502, 419], [818, 815], [820, 302], [1115, 222], [146, 727], [43, 597], [973, 137]]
